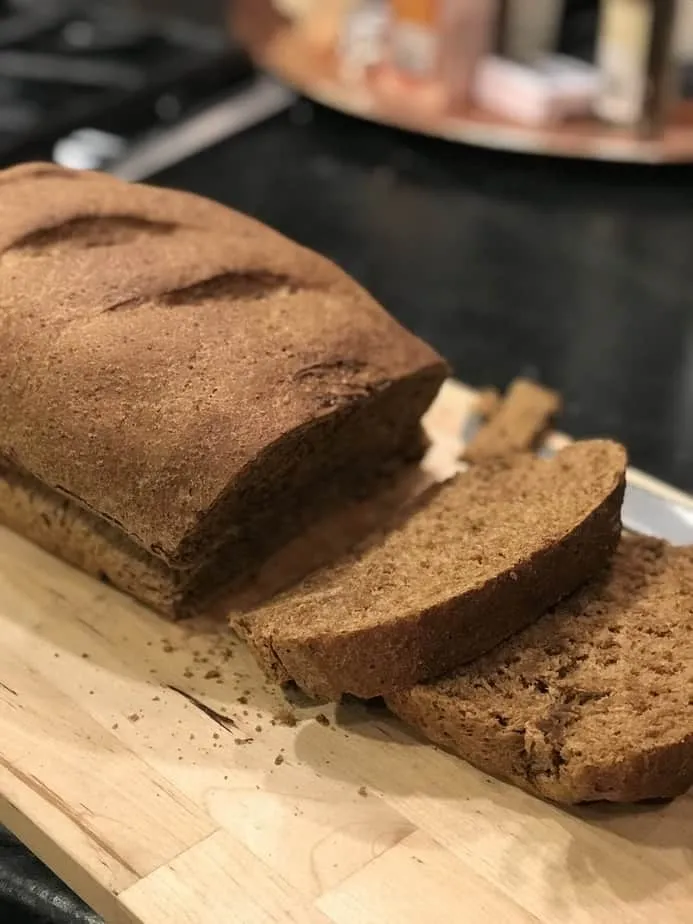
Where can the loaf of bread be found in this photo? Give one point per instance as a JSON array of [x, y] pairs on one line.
[[483, 559], [594, 701], [184, 388]]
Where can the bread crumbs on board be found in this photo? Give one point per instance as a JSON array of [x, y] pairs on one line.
[[285, 717]]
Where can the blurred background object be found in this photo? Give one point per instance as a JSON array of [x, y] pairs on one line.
[[599, 79]]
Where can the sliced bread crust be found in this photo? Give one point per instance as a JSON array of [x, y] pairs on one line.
[[485, 558], [514, 423], [594, 701]]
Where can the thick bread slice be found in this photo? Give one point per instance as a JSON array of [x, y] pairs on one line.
[[488, 555], [183, 386], [593, 702]]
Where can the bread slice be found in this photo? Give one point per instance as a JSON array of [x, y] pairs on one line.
[[183, 388], [594, 701], [488, 555], [515, 424]]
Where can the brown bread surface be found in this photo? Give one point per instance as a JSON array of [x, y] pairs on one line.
[[594, 701], [182, 383], [514, 424], [484, 558]]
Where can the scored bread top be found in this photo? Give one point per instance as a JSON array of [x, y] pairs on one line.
[[592, 702], [153, 345], [483, 558]]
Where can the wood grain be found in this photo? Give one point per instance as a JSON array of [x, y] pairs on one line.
[[151, 766]]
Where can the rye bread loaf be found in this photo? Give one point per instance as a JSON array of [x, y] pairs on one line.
[[183, 388], [594, 701], [484, 558], [513, 424]]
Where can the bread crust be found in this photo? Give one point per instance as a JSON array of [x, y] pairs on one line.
[[515, 423]]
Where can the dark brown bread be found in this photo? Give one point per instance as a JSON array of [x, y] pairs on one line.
[[182, 383], [486, 557], [593, 702], [515, 424]]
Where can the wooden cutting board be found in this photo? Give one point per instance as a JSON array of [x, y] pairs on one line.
[[152, 768]]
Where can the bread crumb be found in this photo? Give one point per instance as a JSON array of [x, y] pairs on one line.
[[322, 719], [216, 736], [363, 791], [114, 726], [286, 717], [243, 741], [188, 673], [279, 760], [243, 700], [134, 717], [155, 699], [258, 728], [84, 654], [168, 647], [212, 674]]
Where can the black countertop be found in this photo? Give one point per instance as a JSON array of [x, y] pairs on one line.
[[576, 274]]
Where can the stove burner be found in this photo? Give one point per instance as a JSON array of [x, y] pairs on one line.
[[71, 65]]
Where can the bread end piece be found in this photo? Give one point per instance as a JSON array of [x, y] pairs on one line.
[[591, 703]]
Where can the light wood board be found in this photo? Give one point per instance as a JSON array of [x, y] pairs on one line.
[[144, 763]]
